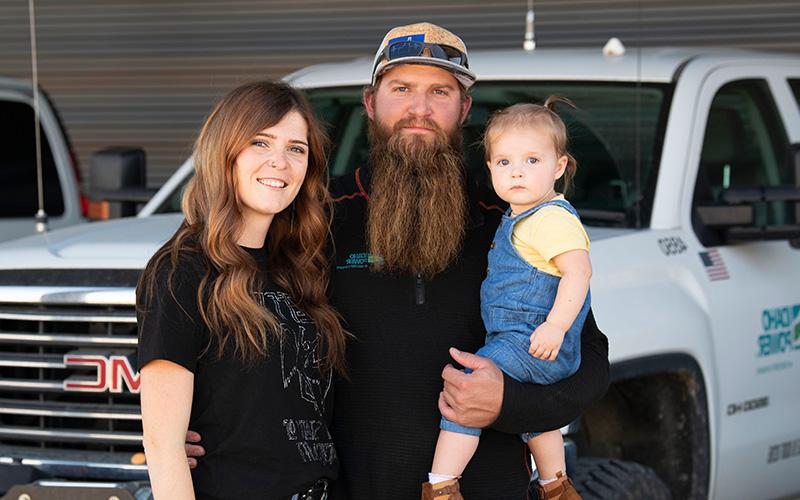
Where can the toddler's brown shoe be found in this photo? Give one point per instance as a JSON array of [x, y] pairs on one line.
[[560, 489], [446, 490]]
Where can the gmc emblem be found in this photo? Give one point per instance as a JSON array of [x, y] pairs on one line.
[[110, 374]]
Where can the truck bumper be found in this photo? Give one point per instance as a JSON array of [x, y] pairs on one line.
[[66, 472], [64, 490]]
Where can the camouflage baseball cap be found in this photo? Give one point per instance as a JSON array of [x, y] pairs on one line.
[[423, 43]]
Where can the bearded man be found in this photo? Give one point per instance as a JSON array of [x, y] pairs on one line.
[[425, 230], [410, 238]]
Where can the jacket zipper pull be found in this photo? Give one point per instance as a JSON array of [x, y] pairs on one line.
[[419, 289]]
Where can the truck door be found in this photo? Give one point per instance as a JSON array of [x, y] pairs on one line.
[[740, 139]]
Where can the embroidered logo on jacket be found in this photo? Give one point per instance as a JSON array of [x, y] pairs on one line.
[[360, 260]]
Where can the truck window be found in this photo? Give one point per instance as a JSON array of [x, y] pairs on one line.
[[745, 145], [18, 191]]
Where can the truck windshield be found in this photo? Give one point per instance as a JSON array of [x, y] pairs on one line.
[[615, 133], [617, 148]]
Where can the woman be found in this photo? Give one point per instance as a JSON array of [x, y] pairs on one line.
[[236, 336]]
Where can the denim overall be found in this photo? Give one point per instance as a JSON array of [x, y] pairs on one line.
[[515, 299]]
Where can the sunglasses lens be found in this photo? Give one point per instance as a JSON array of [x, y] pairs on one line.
[[453, 55], [405, 49]]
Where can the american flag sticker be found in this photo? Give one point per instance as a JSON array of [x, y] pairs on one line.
[[715, 266]]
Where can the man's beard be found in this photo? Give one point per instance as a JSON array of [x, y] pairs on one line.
[[417, 208]]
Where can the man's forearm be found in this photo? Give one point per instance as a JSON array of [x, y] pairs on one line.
[[537, 408]]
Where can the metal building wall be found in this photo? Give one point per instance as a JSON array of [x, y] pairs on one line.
[[145, 72]]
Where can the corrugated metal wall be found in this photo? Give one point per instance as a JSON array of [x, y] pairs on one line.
[[145, 72]]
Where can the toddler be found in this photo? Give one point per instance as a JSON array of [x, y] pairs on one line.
[[535, 297]]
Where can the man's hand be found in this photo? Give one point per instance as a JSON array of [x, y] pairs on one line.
[[471, 399], [546, 341], [193, 451]]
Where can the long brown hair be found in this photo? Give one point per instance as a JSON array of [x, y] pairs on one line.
[[535, 115], [295, 242]]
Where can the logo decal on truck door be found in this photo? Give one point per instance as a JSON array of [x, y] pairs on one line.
[[780, 337], [781, 330]]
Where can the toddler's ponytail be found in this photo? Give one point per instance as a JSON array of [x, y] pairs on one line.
[[572, 165]]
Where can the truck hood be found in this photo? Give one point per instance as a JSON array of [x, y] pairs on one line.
[[601, 233], [121, 244], [118, 244]]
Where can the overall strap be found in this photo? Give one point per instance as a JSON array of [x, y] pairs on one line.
[[560, 203]]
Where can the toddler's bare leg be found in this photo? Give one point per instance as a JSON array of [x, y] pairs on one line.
[[548, 453], [454, 450]]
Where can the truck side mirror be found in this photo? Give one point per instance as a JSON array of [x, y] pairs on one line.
[[117, 182], [734, 215]]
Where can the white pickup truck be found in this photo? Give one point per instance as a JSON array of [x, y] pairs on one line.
[[689, 183]]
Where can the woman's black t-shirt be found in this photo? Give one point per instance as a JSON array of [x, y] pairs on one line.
[[265, 426]]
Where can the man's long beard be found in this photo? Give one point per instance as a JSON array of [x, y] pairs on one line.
[[417, 209]]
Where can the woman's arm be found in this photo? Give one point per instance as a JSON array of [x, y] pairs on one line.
[[166, 396]]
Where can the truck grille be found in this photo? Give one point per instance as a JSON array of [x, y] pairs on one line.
[[43, 399]]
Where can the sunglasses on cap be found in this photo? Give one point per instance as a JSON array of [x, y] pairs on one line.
[[412, 48]]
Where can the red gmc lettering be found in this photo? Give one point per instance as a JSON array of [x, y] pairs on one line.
[[122, 371], [110, 374]]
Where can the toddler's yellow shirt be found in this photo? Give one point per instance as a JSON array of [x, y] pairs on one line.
[[547, 233]]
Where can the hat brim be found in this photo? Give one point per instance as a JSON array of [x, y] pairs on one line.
[[464, 76]]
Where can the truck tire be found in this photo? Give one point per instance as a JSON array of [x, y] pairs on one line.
[[610, 479]]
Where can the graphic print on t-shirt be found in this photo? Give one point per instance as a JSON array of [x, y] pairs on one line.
[[300, 362], [299, 354], [299, 358]]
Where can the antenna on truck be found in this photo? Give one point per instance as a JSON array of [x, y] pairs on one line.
[[41, 215], [530, 43]]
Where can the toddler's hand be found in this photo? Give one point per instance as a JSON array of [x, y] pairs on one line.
[[546, 341]]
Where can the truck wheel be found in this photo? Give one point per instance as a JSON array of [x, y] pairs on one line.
[[610, 479]]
